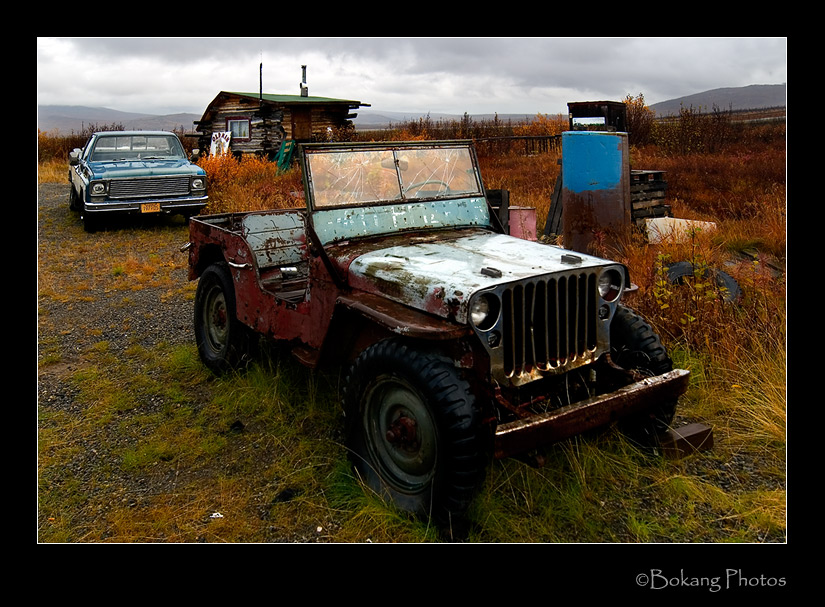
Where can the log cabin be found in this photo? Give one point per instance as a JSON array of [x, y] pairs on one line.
[[258, 123]]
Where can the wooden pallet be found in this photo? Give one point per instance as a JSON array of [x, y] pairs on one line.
[[647, 196]]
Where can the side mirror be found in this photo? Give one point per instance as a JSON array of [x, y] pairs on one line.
[[74, 156]]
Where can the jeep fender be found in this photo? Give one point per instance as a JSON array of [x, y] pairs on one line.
[[362, 319]]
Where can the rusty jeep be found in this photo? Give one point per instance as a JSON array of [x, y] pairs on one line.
[[460, 343]]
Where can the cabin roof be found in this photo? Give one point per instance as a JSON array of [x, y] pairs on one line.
[[288, 99], [279, 100], [284, 100]]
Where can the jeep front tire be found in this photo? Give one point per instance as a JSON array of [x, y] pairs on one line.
[[636, 347], [413, 430]]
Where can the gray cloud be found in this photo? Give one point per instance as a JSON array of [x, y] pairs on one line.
[[476, 75]]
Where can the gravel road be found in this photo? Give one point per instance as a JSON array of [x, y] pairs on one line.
[[91, 319], [71, 323], [118, 317], [149, 322]]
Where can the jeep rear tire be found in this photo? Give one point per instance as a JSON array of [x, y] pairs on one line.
[[414, 431], [221, 338], [636, 347]]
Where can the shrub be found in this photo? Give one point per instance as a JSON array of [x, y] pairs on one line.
[[250, 184], [694, 132], [640, 120]]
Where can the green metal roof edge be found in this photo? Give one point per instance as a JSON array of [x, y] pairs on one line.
[[293, 98]]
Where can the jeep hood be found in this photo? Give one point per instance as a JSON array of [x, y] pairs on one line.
[[143, 168], [440, 276]]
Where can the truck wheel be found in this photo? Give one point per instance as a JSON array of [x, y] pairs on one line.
[[221, 338], [73, 199], [636, 347], [414, 431]]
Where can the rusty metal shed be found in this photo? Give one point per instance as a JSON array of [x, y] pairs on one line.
[[613, 113]]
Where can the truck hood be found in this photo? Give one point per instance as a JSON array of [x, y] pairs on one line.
[[440, 276], [143, 168]]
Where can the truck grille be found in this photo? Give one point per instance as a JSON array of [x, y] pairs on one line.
[[549, 323], [149, 188]]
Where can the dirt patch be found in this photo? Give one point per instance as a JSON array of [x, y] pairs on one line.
[[154, 313]]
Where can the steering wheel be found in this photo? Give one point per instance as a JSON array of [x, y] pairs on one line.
[[421, 184]]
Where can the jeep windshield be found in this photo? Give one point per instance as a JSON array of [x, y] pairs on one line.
[[136, 147], [350, 175]]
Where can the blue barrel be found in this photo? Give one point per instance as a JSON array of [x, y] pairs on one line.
[[595, 190]]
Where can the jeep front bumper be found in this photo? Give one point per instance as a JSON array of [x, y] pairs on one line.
[[523, 435]]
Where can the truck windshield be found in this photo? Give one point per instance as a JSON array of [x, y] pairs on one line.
[[340, 178], [136, 147]]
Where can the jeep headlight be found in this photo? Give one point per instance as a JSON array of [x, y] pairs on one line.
[[484, 311], [610, 284]]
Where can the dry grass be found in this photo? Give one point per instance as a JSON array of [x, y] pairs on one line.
[[53, 170], [250, 184], [122, 261]]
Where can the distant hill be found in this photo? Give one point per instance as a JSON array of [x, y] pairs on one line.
[[751, 97], [75, 118], [68, 118]]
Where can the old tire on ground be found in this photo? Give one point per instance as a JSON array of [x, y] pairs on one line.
[[221, 338], [414, 431], [727, 285], [636, 347]]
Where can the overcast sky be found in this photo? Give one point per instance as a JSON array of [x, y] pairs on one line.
[[453, 75]]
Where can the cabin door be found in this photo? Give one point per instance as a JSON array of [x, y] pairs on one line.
[[301, 124]]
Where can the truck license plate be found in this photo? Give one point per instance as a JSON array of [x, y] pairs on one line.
[[150, 207]]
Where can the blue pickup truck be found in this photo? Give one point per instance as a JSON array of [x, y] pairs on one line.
[[133, 172]]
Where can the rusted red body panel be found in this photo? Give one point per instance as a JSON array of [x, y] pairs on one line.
[[306, 319]]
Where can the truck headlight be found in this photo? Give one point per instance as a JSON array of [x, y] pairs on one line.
[[610, 284], [98, 188], [198, 183], [484, 311]]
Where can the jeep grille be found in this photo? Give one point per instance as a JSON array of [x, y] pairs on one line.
[[149, 187], [549, 323]]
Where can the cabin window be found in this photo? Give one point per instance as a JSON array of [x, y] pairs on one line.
[[239, 127]]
